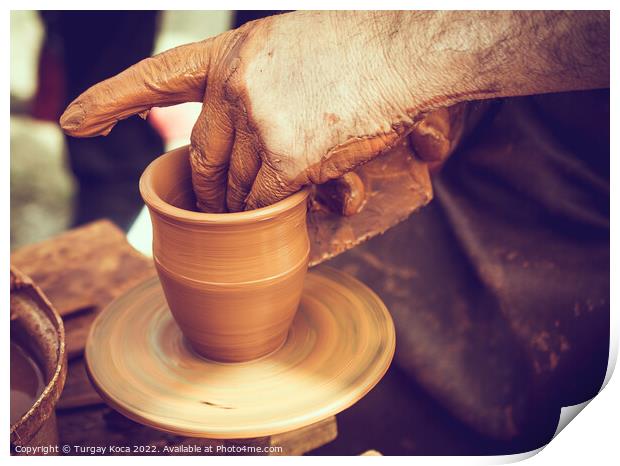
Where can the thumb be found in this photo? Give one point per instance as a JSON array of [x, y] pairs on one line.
[[344, 196], [169, 78]]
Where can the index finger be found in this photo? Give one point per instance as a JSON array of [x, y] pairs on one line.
[[176, 76]]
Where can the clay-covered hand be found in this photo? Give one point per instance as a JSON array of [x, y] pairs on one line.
[[304, 97], [290, 100]]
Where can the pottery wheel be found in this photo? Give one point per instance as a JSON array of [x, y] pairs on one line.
[[339, 346]]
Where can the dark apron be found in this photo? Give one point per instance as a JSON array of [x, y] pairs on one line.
[[500, 287]]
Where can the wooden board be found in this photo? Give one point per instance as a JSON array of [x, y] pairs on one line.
[[78, 391], [84, 268], [81, 271]]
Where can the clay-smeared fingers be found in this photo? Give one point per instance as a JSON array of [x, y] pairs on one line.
[[430, 137], [242, 171], [172, 77], [210, 149], [269, 187], [435, 137], [344, 196]]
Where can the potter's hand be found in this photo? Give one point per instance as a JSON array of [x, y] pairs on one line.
[[305, 97], [290, 100]]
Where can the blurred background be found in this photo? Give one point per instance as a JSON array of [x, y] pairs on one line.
[[57, 183]]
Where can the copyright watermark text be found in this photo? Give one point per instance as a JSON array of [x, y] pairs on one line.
[[182, 449]]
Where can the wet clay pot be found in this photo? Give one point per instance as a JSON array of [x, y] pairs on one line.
[[38, 368], [233, 281]]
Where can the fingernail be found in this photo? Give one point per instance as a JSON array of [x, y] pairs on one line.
[[72, 118]]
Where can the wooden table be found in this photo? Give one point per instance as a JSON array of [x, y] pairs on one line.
[[81, 271]]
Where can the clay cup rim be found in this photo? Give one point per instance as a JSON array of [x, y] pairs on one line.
[[44, 406], [154, 200]]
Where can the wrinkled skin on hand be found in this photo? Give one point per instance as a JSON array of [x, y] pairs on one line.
[[290, 100], [305, 97]]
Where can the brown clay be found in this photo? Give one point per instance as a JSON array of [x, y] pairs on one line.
[[233, 281], [26, 381], [339, 346]]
